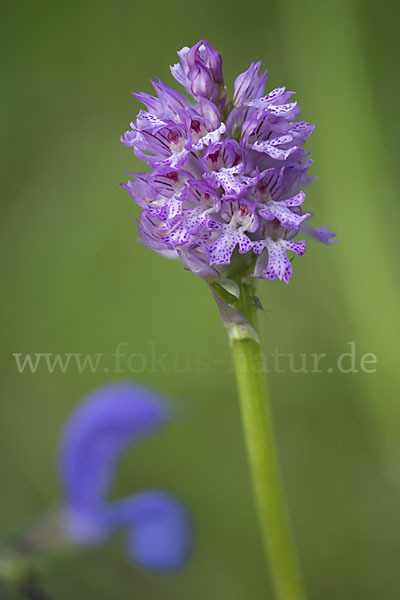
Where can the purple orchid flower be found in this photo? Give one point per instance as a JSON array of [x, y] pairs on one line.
[[95, 437], [249, 153]]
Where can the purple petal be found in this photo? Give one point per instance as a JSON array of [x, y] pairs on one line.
[[322, 234]]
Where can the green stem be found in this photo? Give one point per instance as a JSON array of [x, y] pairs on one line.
[[257, 422]]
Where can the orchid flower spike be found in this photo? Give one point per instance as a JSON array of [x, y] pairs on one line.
[[94, 439], [225, 189]]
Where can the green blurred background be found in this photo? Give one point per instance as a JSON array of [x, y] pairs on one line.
[[75, 279]]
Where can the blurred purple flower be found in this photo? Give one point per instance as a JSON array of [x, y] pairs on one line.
[[96, 435], [226, 178]]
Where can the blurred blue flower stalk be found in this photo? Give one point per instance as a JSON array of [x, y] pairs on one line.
[[94, 439]]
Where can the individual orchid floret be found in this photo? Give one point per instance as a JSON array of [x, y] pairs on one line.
[[200, 73], [225, 192], [94, 439], [249, 85]]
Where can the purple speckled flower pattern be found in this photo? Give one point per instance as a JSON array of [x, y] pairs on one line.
[[226, 181]]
